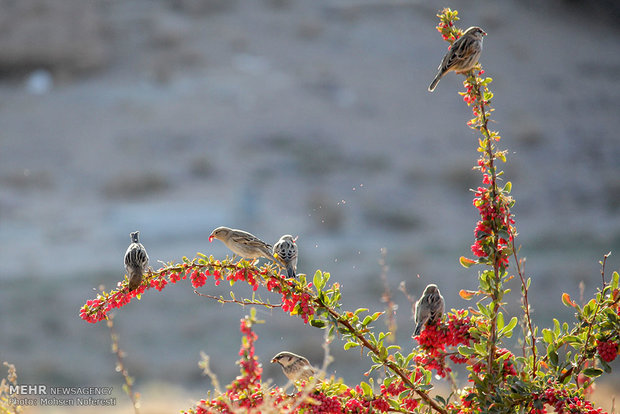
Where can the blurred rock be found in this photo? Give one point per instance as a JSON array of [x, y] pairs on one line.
[[133, 185], [203, 6], [59, 35]]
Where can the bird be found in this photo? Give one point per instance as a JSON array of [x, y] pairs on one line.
[[136, 261], [242, 243], [462, 56], [294, 366], [285, 250], [428, 308]]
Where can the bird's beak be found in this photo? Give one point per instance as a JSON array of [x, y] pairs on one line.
[[484, 33], [273, 361], [295, 239], [211, 237]]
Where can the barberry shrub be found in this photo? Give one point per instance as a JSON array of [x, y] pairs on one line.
[[555, 369]]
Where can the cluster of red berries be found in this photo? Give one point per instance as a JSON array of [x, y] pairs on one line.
[[96, 310], [293, 302], [435, 338], [198, 279], [470, 97], [396, 388], [562, 403], [321, 403], [492, 210], [251, 370], [607, 350]]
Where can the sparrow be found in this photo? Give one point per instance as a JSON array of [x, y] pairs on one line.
[[462, 56], [136, 261], [242, 243], [295, 367], [428, 308], [286, 252]]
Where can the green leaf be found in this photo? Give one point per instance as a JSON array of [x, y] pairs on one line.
[[508, 187], [440, 400], [511, 325], [366, 388], [465, 350], [361, 310], [481, 349], [394, 404], [592, 372], [427, 377], [606, 366], [318, 280], [500, 321], [553, 355], [317, 323], [548, 336], [572, 339], [376, 315], [350, 345]]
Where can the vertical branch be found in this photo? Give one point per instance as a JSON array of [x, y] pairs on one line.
[[120, 364], [496, 255], [603, 263], [526, 309]]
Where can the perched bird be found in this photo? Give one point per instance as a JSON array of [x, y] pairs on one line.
[[462, 56], [136, 261], [295, 367], [242, 243], [286, 251], [428, 308]]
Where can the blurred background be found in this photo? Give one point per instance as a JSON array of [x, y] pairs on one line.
[[312, 118]]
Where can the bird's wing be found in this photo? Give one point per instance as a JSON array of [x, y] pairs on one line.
[[136, 255], [248, 239], [457, 52]]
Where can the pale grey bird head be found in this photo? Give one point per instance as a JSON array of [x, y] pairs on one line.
[[287, 359], [221, 233], [475, 32], [430, 289], [288, 237], [135, 237]]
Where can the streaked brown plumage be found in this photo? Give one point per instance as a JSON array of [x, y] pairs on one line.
[[429, 308], [462, 56], [242, 243], [294, 366]]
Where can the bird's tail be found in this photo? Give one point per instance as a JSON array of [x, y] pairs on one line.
[[435, 81], [135, 278], [418, 328], [290, 271]]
